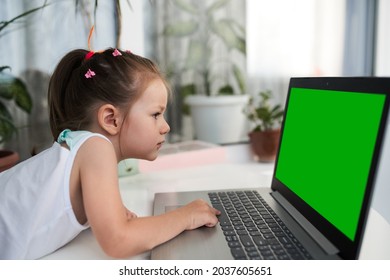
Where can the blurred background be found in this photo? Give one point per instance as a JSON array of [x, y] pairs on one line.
[[205, 47]]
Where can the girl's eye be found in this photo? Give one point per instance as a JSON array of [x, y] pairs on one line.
[[156, 115]]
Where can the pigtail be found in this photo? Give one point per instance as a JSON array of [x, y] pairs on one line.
[[57, 91]]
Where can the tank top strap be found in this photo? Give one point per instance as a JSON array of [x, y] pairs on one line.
[[71, 138]]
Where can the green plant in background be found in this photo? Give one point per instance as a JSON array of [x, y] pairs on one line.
[[12, 89], [200, 29], [262, 114]]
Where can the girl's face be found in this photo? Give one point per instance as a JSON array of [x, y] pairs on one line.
[[144, 127]]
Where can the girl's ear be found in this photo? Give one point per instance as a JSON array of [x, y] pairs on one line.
[[109, 118]]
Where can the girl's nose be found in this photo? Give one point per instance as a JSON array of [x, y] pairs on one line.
[[165, 128]]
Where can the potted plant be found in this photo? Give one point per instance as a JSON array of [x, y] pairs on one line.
[[266, 120], [215, 45], [13, 92]]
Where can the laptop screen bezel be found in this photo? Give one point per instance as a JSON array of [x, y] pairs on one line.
[[348, 249]]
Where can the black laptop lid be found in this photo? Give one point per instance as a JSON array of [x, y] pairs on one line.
[[331, 138]]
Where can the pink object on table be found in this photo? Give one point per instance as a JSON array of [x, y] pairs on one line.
[[184, 154]]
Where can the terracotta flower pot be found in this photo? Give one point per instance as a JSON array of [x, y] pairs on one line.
[[8, 159], [265, 144]]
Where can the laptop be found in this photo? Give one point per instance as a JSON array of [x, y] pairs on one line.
[[330, 144]]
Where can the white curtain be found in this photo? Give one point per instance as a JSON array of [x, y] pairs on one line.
[[382, 192], [383, 38]]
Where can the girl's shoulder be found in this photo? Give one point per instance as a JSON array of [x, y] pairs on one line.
[[96, 150], [92, 149]]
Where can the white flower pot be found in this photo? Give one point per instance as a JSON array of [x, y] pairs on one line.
[[218, 119]]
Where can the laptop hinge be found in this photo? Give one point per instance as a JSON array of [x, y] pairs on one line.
[[318, 237]]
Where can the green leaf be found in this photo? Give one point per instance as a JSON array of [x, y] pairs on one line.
[[22, 97], [4, 113], [4, 83], [239, 29], [239, 78], [275, 109], [4, 24], [7, 128], [13, 88], [6, 86], [277, 115], [181, 28], [224, 29], [195, 54], [186, 6], [226, 90], [266, 95], [185, 91], [2, 68], [216, 5]]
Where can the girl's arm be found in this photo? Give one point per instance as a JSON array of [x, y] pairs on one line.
[[119, 233]]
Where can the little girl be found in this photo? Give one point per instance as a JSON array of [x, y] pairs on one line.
[[104, 107]]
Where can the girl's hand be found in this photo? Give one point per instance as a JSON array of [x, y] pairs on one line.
[[200, 213]]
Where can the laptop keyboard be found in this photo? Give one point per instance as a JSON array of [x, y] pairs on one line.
[[253, 230]]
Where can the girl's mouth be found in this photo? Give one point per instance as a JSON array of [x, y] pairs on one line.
[[159, 145]]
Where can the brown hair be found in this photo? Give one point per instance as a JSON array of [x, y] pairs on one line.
[[118, 80]]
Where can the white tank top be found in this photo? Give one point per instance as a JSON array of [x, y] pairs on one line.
[[36, 215]]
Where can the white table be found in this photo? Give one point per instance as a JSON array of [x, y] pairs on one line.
[[239, 171]]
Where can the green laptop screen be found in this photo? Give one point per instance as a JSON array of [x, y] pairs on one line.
[[326, 150]]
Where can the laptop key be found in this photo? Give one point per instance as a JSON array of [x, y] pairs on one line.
[[280, 234], [255, 233], [242, 232], [239, 227], [280, 252], [297, 256], [283, 257], [227, 227], [253, 255], [246, 240], [269, 236], [229, 232], [251, 229], [238, 253], [260, 241], [250, 249], [267, 252], [284, 240], [273, 241], [234, 244], [230, 238]]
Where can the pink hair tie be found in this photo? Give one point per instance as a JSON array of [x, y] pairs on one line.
[[89, 74], [89, 55], [116, 52]]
